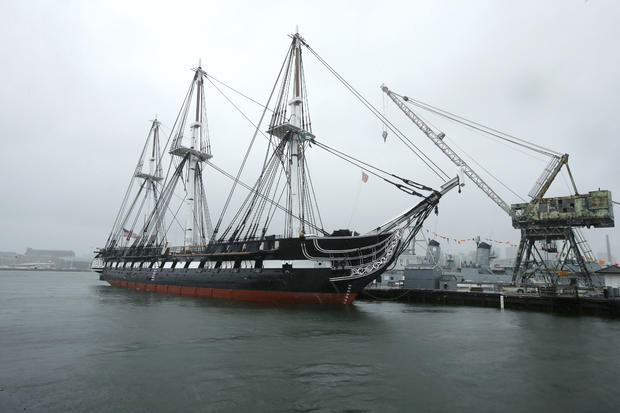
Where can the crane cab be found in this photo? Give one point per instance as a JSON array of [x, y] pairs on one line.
[[594, 209]]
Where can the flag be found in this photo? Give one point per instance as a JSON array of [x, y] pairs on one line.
[[364, 177], [127, 233]]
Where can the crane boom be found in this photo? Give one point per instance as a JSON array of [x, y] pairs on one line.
[[438, 140], [549, 174]]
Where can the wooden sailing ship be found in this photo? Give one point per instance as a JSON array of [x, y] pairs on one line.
[[243, 260]]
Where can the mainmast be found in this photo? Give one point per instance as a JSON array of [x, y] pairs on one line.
[[197, 220]]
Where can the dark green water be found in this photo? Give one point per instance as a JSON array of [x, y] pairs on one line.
[[69, 342]]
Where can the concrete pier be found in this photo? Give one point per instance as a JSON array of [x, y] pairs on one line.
[[556, 304]]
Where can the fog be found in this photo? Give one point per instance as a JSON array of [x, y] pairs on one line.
[[81, 80]]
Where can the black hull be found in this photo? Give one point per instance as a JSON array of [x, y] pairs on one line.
[[274, 285], [320, 270]]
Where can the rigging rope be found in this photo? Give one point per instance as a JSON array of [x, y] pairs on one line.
[[486, 170], [248, 216], [217, 226], [354, 161], [455, 118], [252, 190], [174, 218], [417, 151], [256, 127], [210, 78], [479, 127], [436, 111]]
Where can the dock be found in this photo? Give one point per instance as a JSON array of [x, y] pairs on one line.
[[574, 305]]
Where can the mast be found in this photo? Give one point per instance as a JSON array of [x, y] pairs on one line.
[[154, 175], [197, 222], [296, 150], [190, 184], [295, 131], [152, 179], [141, 197]]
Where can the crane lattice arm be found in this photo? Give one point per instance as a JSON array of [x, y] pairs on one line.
[[551, 171], [438, 140]]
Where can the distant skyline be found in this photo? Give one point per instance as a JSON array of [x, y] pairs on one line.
[[80, 81]]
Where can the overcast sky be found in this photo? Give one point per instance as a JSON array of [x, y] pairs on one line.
[[80, 81]]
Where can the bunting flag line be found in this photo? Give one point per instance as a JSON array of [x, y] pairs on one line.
[[508, 243], [462, 241]]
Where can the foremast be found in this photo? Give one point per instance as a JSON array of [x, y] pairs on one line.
[[295, 130]]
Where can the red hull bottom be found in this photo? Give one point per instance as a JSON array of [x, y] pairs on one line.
[[244, 295]]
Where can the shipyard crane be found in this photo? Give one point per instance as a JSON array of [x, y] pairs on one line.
[[541, 219]]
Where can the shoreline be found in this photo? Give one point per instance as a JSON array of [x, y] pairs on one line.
[[47, 269]]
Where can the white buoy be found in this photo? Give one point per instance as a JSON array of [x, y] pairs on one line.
[[501, 301]]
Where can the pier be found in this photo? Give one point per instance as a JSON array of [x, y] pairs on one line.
[[556, 304]]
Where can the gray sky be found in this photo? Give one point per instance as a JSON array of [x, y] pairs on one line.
[[80, 80]]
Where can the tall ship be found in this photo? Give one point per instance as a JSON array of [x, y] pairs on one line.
[[244, 258]]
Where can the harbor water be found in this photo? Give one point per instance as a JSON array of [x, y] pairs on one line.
[[69, 342]]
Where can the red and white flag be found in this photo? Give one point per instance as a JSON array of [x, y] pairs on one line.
[[364, 177], [129, 234]]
